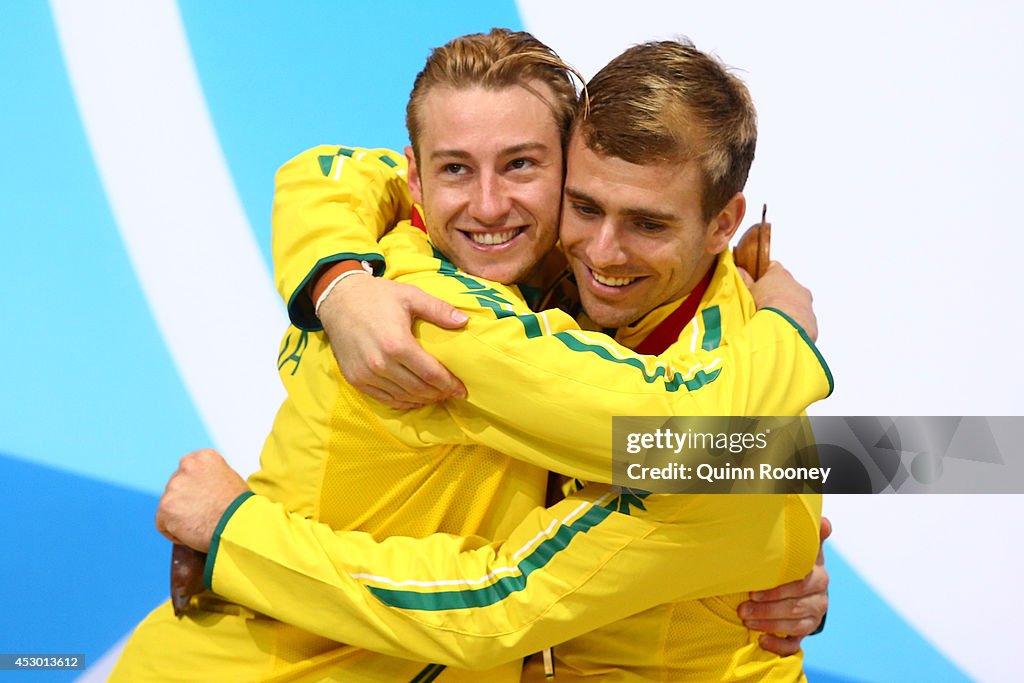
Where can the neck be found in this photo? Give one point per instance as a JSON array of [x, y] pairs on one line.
[[546, 271]]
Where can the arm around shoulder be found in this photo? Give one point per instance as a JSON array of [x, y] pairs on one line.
[[332, 204]]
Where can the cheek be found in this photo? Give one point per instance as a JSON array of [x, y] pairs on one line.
[[447, 202], [570, 232], [676, 262], [542, 200]]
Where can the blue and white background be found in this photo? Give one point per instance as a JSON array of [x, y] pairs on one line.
[[138, 320]]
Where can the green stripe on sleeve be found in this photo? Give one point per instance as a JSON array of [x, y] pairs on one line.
[[499, 311], [699, 379], [807, 339], [211, 554], [531, 325], [488, 595]]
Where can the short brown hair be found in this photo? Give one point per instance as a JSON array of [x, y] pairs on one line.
[[667, 101], [499, 59]]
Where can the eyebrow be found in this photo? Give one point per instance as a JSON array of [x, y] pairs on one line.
[[635, 212], [507, 151]]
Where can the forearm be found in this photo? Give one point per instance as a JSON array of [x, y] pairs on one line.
[[573, 383], [467, 603]]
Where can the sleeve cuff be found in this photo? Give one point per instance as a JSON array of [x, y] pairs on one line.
[[211, 555], [811, 344], [300, 305]]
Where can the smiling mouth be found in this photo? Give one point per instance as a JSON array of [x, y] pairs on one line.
[[612, 281], [490, 239]]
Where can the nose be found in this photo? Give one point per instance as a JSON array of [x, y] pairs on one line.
[[604, 247], [491, 203]]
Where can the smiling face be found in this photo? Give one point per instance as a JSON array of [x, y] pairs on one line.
[[489, 176], [634, 234]]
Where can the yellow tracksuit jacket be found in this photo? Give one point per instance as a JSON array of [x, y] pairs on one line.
[[284, 552]]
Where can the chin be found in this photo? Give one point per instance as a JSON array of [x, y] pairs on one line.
[[615, 322], [608, 316], [504, 273]]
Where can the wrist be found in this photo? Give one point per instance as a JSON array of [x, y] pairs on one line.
[[332, 276], [211, 557]]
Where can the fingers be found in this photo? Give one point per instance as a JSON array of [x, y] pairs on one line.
[[398, 387], [386, 398], [789, 616], [778, 289], [198, 458], [429, 374], [424, 377], [407, 373], [778, 270], [161, 526], [792, 617], [795, 589], [826, 528], [784, 627], [195, 498], [779, 645], [164, 516], [788, 609], [434, 310], [826, 531], [382, 388], [747, 279], [368, 323], [391, 381], [812, 584]]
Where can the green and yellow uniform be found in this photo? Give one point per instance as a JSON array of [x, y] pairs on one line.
[[541, 390]]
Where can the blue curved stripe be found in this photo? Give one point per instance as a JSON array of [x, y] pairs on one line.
[[88, 384], [280, 78]]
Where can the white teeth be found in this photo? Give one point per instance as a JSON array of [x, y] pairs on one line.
[[490, 238], [613, 281]]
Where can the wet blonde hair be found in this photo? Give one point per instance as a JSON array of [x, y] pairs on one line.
[[499, 59]]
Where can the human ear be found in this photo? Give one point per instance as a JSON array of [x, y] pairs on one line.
[[725, 224], [414, 180]]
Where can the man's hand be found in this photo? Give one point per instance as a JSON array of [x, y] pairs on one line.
[[790, 612], [368, 321], [195, 498], [777, 288]]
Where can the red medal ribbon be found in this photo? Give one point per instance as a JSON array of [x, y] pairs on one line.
[[417, 220], [667, 331]]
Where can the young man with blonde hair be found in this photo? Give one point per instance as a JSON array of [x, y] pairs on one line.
[[295, 568]]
